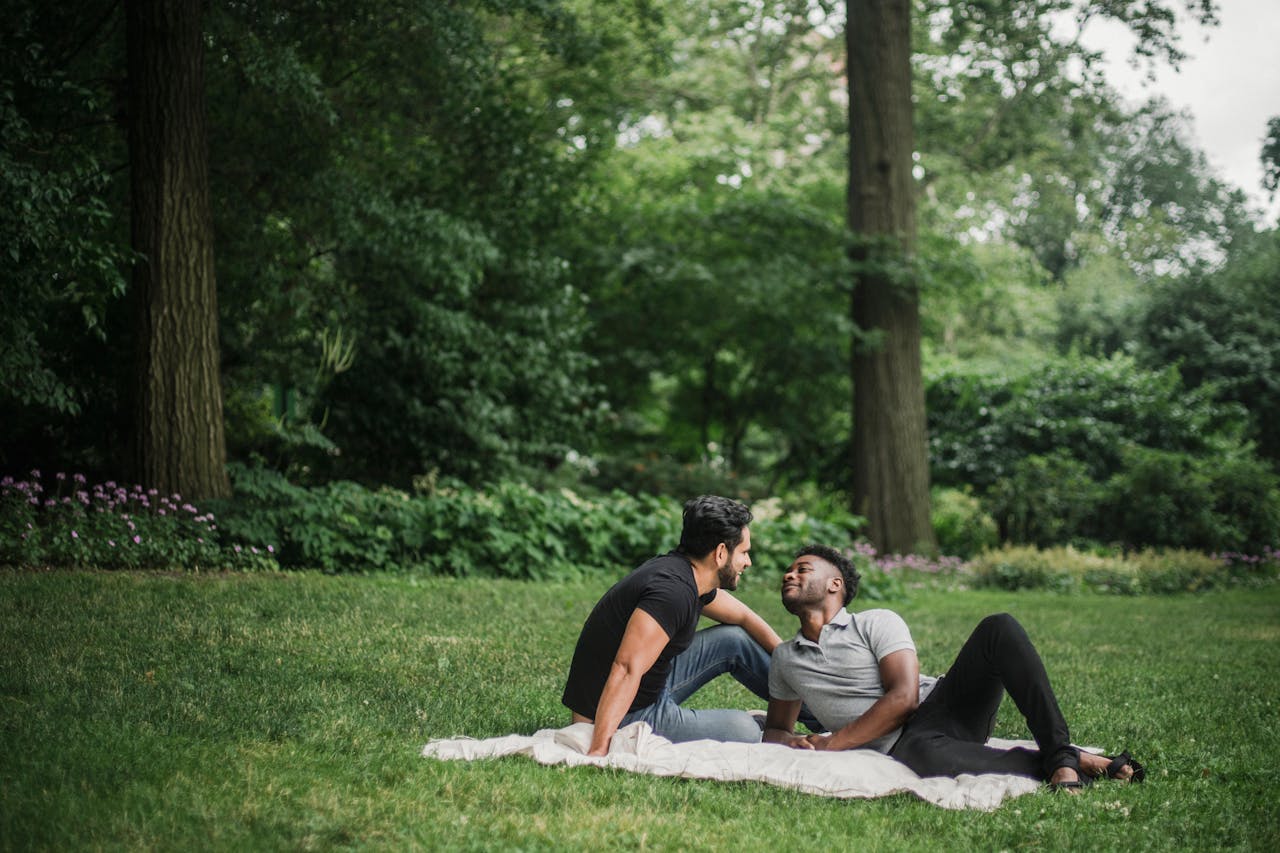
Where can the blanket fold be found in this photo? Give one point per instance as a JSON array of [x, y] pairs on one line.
[[857, 773]]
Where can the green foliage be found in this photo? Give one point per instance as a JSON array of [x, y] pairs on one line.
[[1227, 502], [1084, 449], [982, 425], [65, 521], [64, 259], [1144, 572], [1222, 329], [507, 530], [1271, 156], [1047, 500], [961, 523]]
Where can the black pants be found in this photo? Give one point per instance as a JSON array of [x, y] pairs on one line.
[[947, 734]]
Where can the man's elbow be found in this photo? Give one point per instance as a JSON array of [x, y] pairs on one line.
[[623, 669], [906, 701]]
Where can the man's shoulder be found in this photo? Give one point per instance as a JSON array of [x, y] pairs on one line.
[[667, 568], [879, 616]]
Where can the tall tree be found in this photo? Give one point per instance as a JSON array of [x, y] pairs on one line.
[[179, 444], [890, 453]]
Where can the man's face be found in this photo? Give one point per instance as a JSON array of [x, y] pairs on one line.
[[808, 582], [736, 562]]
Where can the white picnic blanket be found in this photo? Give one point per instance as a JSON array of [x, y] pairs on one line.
[[858, 773]]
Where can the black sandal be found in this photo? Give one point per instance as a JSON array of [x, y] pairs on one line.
[[1121, 761], [1082, 780]]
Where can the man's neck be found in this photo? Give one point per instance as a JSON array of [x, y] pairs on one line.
[[705, 574], [812, 619]]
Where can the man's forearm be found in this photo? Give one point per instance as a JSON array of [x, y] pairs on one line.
[[760, 631], [888, 713], [618, 694]]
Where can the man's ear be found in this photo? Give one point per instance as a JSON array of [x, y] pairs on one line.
[[835, 584], [721, 553]]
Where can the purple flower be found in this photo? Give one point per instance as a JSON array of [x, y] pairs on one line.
[[111, 542], [253, 549], [75, 535], [160, 511], [110, 484], [35, 473], [60, 476], [270, 549], [237, 549], [137, 540], [79, 478]]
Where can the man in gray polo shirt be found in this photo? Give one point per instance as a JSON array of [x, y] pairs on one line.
[[859, 675]]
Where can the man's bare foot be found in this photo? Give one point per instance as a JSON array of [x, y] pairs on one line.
[[1067, 779], [1096, 766]]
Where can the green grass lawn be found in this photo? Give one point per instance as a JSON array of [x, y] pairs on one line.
[[288, 711]]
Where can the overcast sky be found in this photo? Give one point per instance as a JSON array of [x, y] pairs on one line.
[[1230, 83]]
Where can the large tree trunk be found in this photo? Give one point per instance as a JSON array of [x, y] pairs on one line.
[[178, 431], [890, 447]]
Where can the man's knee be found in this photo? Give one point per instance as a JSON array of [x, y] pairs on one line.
[[1002, 628], [741, 727], [1000, 622], [731, 640]]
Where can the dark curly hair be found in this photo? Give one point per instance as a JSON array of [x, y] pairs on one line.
[[710, 520], [840, 561]]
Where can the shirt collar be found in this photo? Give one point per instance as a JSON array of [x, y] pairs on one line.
[[842, 619]]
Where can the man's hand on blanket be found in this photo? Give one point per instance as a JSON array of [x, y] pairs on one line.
[[821, 742], [792, 740]]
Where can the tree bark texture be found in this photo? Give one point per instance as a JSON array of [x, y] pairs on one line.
[[179, 445], [890, 444]]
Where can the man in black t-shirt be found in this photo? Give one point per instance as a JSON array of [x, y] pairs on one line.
[[639, 655]]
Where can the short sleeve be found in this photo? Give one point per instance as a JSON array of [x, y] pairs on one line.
[[669, 605], [779, 687], [886, 633]]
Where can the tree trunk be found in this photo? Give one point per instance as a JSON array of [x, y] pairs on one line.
[[178, 431], [890, 446]]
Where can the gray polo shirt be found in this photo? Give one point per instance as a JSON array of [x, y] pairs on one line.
[[838, 677]]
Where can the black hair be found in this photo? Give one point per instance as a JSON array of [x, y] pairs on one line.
[[840, 561], [710, 520]]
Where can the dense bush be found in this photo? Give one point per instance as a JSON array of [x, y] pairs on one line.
[[1150, 571], [1230, 502], [982, 425], [961, 524], [507, 530], [1223, 328], [1046, 500], [1088, 450]]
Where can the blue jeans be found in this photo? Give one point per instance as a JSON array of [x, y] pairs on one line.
[[714, 651]]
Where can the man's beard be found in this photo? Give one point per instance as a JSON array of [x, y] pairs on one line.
[[728, 577]]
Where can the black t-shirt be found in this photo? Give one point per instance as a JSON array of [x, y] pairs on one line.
[[665, 588]]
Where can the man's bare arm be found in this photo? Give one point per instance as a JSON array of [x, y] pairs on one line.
[[780, 724], [642, 642], [728, 610], [900, 674]]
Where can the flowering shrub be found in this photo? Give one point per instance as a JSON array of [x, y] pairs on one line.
[[66, 521], [1149, 571]]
